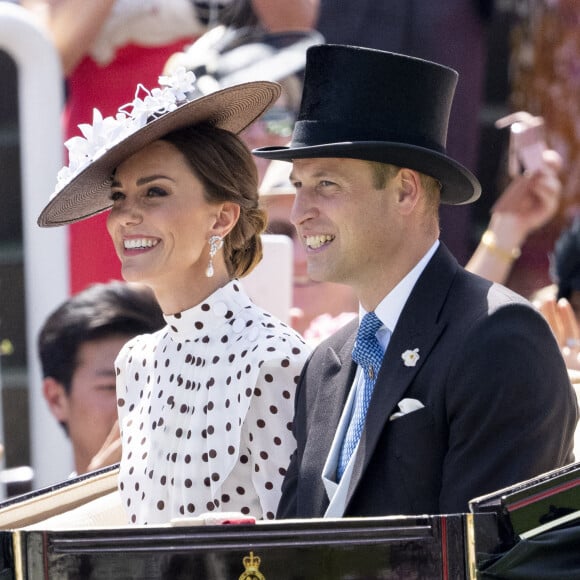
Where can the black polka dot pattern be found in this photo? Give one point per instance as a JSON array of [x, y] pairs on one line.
[[203, 407]]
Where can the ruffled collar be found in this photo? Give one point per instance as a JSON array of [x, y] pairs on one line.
[[218, 309]]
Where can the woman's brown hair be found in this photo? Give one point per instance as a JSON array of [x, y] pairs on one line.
[[227, 170]]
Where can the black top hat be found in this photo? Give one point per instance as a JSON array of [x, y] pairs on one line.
[[370, 104]]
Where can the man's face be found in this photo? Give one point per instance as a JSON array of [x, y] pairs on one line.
[[348, 227], [309, 299], [90, 410]]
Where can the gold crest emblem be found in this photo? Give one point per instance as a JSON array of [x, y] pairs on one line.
[[252, 565]]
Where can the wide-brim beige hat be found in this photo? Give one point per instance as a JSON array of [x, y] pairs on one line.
[[87, 192]]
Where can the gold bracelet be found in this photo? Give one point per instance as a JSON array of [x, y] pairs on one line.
[[489, 240]]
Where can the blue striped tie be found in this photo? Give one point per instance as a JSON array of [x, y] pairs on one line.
[[368, 354]]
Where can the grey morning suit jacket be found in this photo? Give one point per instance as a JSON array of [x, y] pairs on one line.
[[499, 407]]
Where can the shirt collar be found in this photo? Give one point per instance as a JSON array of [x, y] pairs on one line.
[[391, 306]]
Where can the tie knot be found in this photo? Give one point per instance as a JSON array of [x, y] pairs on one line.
[[369, 325], [367, 351]]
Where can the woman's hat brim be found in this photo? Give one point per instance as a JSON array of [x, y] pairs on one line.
[[87, 194], [459, 185]]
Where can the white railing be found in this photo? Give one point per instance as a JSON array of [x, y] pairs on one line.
[[40, 97]]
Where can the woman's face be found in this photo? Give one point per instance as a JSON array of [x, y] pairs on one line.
[[160, 221]]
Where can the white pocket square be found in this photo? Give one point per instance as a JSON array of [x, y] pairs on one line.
[[405, 407]]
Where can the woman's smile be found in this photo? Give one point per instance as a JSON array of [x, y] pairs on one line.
[[137, 245]]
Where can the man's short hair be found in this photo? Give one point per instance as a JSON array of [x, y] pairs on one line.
[[384, 172], [101, 311]]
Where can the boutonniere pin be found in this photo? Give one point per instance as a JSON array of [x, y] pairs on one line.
[[410, 357]]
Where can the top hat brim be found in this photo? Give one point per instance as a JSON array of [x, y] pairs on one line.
[[88, 193], [459, 185]]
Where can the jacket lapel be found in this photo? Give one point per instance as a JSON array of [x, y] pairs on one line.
[[334, 377], [419, 327]]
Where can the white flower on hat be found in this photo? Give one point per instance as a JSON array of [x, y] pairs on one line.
[[181, 81], [410, 357], [106, 132]]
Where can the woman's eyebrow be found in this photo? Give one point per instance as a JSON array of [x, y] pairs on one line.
[[144, 180]]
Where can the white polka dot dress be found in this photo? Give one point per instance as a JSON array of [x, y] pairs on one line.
[[205, 409]]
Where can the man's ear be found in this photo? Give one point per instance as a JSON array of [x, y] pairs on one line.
[[226, 218], [409, 189], [57, 398]]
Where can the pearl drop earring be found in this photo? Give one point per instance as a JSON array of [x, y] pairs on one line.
[[215, 243]]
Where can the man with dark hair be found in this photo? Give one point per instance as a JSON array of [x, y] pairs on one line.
[[78, 345]]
